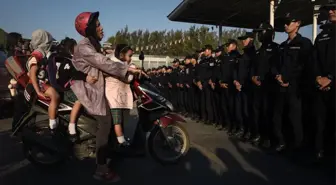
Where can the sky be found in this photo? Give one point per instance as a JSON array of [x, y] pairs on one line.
[[57, 16]]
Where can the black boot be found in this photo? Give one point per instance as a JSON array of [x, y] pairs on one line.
[[255, 140], [280, 148]]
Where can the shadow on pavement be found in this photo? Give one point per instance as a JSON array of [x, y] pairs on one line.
[[237, 174], [195, 169], [10, 150], [132, 171], [264, 169]]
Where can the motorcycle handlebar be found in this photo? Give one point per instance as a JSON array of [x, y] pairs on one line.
[[143, 77]]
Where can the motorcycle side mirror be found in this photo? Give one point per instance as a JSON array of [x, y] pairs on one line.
[[142, 56]]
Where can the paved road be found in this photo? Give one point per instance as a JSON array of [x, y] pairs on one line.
[[213, 159]]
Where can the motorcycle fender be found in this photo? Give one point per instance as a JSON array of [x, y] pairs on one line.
[[169, 119]]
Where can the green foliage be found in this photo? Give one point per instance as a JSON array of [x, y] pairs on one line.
[[173, 42], [3, 38]]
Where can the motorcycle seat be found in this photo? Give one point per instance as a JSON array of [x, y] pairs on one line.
[[29, 92]]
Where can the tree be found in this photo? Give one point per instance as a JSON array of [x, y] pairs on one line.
[[172, 42], [3, 38]]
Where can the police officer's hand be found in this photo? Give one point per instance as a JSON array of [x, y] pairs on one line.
[[224, 85], [170, 85], [256, 81], [324, 82], [210, 82], [212, 85], [187, 85], [199, 85], [279, 78], [238, 88], [238, 85], [284, 84], [318, 79]]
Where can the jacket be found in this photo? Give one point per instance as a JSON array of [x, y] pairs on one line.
[[294, 62], [324, 53], [87, 60]]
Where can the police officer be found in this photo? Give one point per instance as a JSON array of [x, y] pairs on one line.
[[205, 72], [218, 90], [229, 61], [200, 55], [295, 54], [174, 86], [188, 83], [195, 101], [263, 84], [181, 91], [324, 72], [242, 82], [154, 77], [163, 81]]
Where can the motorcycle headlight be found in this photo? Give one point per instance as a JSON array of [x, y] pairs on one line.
[[170, 105]]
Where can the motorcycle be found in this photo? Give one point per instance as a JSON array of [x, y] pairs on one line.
[[163, 128]]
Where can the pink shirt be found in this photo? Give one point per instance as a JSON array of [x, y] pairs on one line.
[[118, 93]]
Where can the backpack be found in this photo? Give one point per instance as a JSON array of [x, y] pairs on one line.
[[59, 69], [14, 65]]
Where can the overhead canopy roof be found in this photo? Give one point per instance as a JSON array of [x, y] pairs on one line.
[[240, 13]]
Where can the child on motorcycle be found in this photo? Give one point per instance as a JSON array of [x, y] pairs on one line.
[[119, 94], [36, 65], [66, 74], [89, 59]]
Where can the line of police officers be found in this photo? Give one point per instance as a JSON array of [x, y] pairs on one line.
[[252, 95]]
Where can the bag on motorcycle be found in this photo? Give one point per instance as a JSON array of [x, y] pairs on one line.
[[15, 68]]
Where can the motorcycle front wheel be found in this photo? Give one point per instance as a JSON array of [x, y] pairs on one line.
[[168, 145]]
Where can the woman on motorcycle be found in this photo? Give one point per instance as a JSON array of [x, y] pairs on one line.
[[119, 94], [41, 44], [89, 59]]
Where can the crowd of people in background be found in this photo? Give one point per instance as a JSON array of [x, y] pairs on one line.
[[254, 94]]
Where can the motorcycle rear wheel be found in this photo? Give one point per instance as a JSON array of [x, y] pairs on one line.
[[156, 133]]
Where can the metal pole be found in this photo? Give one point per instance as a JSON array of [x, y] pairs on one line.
[[220, 34], [315, 16], [272, 12], [314, 27]]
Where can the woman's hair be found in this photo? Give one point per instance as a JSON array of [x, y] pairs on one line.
[[67, 45], [121, 49], [12, 40], [92, 35]]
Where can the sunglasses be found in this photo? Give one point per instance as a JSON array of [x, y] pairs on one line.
[[289, 21]]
